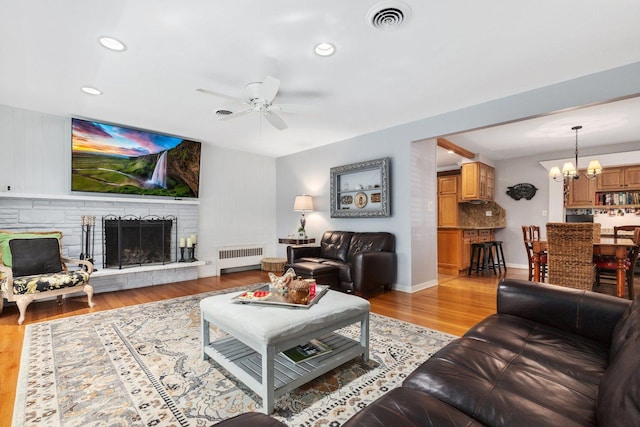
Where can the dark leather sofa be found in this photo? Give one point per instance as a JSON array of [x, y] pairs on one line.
[[348, 261], [550, 356]]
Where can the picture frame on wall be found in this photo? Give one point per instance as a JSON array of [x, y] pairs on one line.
[[361, 190]]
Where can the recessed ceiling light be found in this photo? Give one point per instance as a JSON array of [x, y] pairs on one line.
[[91, 90], [112, 44], [325, 49]]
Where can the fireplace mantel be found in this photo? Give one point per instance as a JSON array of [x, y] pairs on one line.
[[106, 199]]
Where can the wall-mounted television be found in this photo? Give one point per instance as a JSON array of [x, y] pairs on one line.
[[107, 158]]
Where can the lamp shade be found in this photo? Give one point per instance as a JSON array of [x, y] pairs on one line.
[[568, 169], [555, 172], [594, 168], [303, 203]]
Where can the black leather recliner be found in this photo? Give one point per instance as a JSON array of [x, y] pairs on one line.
[[348, 261]]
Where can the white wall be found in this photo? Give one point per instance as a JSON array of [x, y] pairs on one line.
[[237, 190], [308, 172], [237, 202], [424, 215], [520, 212]]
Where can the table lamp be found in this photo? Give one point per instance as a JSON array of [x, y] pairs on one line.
[[303, 203]]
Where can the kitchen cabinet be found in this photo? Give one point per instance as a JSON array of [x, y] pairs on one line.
[[580, 192], [620, 178], [477, 182], [448, 184], [448, 197], [454, 248], [615, 186]]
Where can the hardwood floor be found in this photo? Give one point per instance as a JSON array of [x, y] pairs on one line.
[[453, 306]]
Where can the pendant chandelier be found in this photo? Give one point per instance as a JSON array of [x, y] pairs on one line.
[[569, 171]]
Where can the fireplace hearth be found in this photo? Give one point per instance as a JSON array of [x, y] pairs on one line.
[[134, 241]]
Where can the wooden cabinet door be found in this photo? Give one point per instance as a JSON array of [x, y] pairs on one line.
[[470, 188], [631, 177], [611, 179], [491, 182], [581, 192], [448, 184], [482, 181], [478, 181], [448, 210], [449, 249]]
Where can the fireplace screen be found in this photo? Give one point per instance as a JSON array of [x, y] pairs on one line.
[[133, 241]]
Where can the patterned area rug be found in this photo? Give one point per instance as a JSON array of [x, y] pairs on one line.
[[142, 366]]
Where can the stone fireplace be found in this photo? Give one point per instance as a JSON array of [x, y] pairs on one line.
[[134, 241]]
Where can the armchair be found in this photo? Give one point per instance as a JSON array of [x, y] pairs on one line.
[[32, 268], [348, 261]]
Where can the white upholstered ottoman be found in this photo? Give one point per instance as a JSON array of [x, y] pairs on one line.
[[258, 333]]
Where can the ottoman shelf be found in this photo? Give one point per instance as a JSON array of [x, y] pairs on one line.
[[233, 354]]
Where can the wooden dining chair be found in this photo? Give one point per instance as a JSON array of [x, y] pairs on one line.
[[570, 254], [606, 265], [531, 233]]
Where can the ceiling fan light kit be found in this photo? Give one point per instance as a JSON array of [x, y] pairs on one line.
[[260, 100]]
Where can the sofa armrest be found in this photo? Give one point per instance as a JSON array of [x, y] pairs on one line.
[[296, 252], [588, 314], [373, 269]]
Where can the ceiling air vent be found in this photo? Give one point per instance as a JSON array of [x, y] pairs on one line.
[[388, 15], [223, 113]]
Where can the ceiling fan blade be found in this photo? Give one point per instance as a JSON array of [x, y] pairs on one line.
[[269, 88], [238, 114], [221, 95], [275, 120]]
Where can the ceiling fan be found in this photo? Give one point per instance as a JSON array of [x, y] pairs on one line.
[[260, 100]]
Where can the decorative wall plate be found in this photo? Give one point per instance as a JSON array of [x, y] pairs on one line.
[[523, 190], [346, 200], [360, 200]]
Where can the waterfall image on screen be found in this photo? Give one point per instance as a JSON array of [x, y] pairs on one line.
[[159, 176], [114, 159]]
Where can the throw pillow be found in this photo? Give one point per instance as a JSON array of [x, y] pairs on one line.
[[6, 236], [35, 256]]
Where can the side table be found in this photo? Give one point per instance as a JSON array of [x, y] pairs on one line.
[[296, 241]]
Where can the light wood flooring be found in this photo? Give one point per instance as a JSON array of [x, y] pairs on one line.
[[453, 306]]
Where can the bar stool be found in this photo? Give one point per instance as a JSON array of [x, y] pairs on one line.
[[500, 261], [482, 258]]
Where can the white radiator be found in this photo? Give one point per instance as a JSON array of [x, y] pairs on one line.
[[239, 256]]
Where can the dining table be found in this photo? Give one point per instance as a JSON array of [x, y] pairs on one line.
[[615, 246]]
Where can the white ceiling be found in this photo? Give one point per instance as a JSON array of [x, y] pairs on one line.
[[604, 124], [447, 55]]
